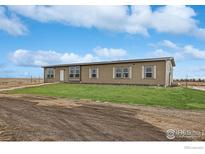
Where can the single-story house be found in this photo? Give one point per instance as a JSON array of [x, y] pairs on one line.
[[152, 71]]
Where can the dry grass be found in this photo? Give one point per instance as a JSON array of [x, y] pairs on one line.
[[17, 82], [189, 83]]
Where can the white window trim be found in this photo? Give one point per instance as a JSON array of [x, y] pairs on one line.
[[130, 72], [90, 73], [151, 66], [48, 73], [75, 68], [97, 72], [122, 72], [143, 77], [113, 73], [154, 73]]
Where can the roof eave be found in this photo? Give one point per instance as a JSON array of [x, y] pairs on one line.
[[115, 62], [173, 62]]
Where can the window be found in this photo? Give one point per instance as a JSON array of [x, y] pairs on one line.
[[50, 73], [149, 71], [74, 72], [94, 72], [122, 72], [118, 73], [125, 72]]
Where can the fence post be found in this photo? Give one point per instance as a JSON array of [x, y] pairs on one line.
[[186, 80], [31, 79]]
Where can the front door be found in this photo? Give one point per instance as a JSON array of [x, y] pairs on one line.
[[62, 75]]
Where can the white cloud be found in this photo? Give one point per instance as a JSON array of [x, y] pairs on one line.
[[175, 19], [11, 24], [137, 19], [159, 53], [199, 32], [179, 52], [169, 44], [162, 53], [183, 55], [194, 52], [165, 44], [112, 18], [110, 52], [23, 57]]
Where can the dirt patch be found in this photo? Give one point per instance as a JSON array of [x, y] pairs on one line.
[[30, 118], [181, 121], [18, 82], [26, 118], [199, 88]]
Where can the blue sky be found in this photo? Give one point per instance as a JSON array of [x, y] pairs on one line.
[[32, 36]]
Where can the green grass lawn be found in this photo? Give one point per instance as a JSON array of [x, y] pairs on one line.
[[181, 98]]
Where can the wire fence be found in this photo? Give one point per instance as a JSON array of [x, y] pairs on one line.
[[15, 82]]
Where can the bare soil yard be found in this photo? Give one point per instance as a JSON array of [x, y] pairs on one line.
[[29, 118], [17, 82]]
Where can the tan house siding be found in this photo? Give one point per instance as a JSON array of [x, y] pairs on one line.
[[56, 77], [160, 68], [169, 79], [106, 74]]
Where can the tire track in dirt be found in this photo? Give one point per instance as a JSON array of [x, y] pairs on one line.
[[27, 120]]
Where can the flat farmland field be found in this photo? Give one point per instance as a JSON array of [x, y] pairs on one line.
[[18, 82], [190, 83]]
